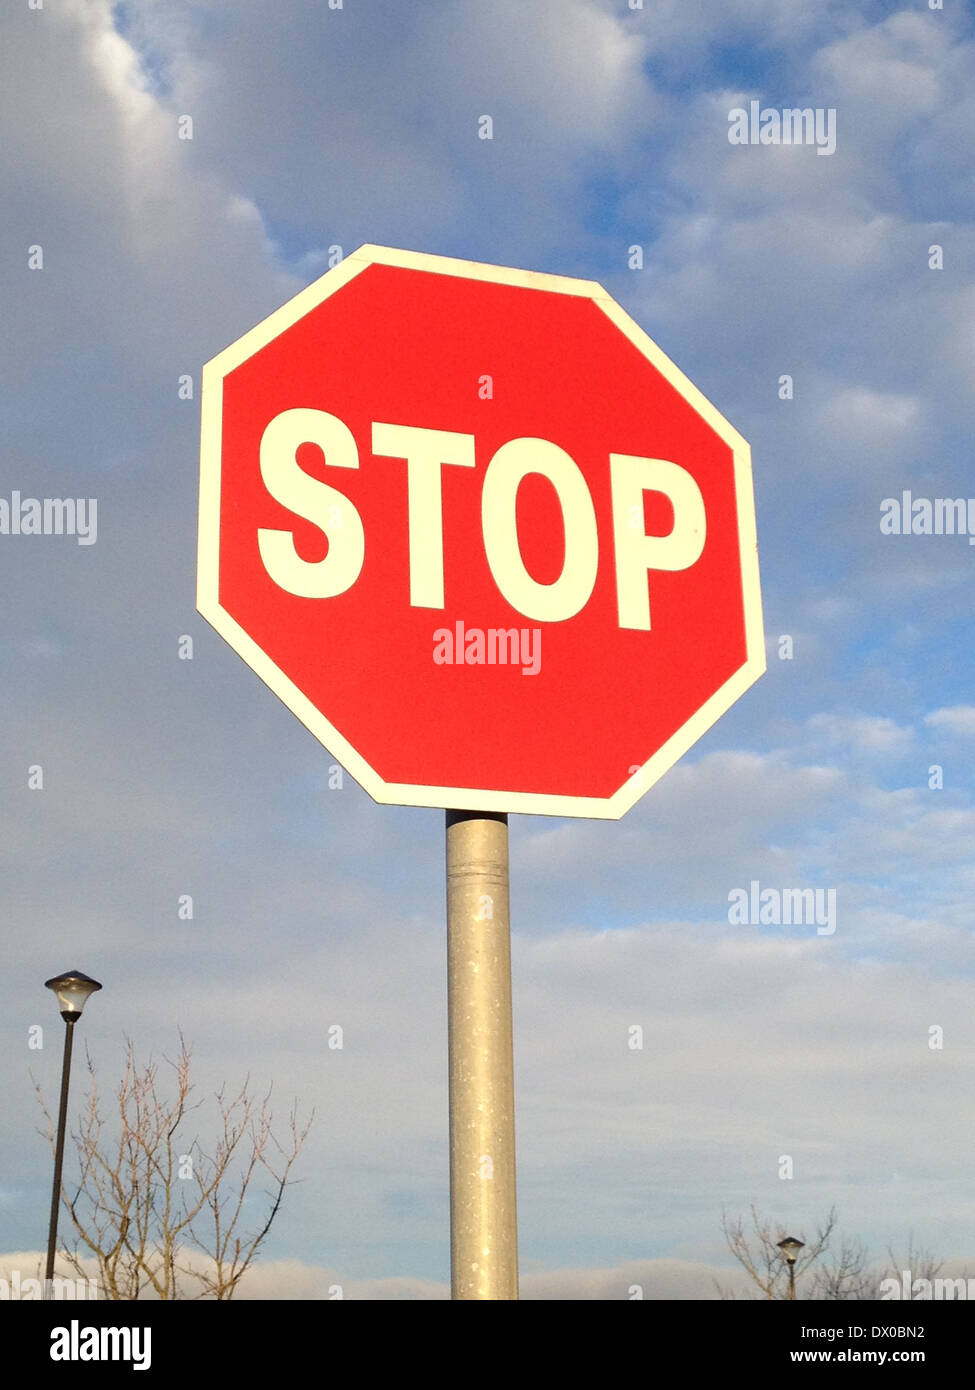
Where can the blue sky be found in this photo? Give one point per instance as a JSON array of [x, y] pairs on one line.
[[314, 128]]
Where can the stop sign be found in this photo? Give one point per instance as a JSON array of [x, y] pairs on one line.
[[479, 533]]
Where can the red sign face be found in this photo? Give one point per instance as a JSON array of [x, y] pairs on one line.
[[481, 536]]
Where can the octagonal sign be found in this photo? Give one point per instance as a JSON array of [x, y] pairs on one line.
[[479, 533]]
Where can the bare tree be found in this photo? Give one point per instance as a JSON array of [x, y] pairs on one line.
[[758, 1253], [160, 1215], [919, 1264]]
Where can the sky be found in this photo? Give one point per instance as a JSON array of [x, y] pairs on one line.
[[823, 300]]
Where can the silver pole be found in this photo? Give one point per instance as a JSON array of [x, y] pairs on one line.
[[483, 1225]]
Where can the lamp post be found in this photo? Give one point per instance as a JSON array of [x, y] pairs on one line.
[[790, 1248], [72, 989]]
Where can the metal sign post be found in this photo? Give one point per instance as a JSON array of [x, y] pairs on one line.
[[483, 1224]]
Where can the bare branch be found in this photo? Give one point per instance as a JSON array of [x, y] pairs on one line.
[[758, 1253], [137, 1210]]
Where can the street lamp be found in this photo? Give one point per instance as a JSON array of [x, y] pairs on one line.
[[790, 1248], [72, 989]]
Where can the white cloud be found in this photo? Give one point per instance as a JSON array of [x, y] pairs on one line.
[[693, 27], [957, 719], [878, 425], [887, 75], [325, 160], [119, 201], [646, 1279], [869, 734]]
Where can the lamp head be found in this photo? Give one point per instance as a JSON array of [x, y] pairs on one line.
[[72, 989]]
